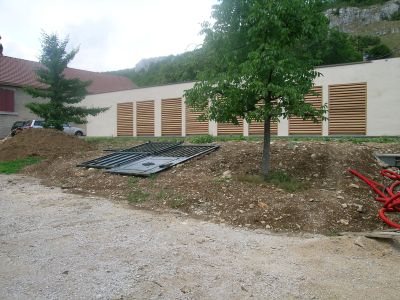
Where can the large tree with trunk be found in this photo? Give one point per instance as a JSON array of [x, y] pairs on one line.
[[63, 94], [261, 58]]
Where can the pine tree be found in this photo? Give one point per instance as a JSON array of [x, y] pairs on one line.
[[63, 94]]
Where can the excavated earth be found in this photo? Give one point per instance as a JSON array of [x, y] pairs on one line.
[[224, 186]]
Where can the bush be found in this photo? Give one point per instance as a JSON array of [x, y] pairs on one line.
[[379, 51]]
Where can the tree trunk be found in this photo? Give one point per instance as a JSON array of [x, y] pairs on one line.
[[266, 147]]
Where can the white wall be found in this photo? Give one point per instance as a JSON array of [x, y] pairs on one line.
[[383, 99], [383, 92], [105, 124]]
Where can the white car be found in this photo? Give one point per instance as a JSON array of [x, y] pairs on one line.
[[67, 127]]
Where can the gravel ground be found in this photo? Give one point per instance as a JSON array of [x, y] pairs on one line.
[[55, 245]]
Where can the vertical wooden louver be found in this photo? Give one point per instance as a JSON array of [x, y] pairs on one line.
[[145, 118], [193, 125], [230, 129], [298, 126], [171, 117], [347, 109], [125, 119], [257, 128]]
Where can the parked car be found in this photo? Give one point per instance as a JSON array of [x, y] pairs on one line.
[[39, 124], [16, 127], [73, 130]]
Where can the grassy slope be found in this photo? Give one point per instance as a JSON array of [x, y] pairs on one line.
[[383, 29]]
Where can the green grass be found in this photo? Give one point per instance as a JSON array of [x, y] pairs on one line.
[[278, 178], [162, 195], [177, 202], [201, 139], [285, 181], [121, 142], [132, 181], [15, 166], [138, 196]]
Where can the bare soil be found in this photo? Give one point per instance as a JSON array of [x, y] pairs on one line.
[[328, 201], [57, 245], [45, 143]]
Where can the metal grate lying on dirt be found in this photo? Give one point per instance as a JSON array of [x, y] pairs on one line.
[[128, 155], [164, 160], [148, 158]]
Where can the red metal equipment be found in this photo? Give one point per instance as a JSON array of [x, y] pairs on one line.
[[386, 194]]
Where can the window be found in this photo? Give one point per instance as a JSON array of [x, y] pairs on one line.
[[6, 100]]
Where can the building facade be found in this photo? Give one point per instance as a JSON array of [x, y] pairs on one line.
[[17, 73], [363, 99]]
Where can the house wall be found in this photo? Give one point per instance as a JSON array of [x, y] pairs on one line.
[[20, 111], [383, 99]]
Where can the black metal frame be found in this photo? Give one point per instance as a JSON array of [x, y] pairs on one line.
[[118, 162]]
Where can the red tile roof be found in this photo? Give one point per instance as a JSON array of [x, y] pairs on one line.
[[19, 72]]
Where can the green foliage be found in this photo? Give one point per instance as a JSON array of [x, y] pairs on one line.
[[352, 3], [277, 178], [62, 93], [260, 52], [379, 51], [202, 139], [15, 166], [177, 202], [395, 16], [285, 182], [339, 48], [138, 196], [171, 69]]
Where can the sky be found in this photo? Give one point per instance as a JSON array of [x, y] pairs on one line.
[[111, 34]]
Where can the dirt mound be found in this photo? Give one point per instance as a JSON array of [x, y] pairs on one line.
[[46, 143], [329, 200]]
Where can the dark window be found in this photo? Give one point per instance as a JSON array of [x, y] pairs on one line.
[[6, 100]]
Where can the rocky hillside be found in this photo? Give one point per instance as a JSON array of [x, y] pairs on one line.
[[377, 20]]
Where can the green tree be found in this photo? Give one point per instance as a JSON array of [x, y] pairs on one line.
[[62, 93], [260, 52], [379, 51], [339, 48]]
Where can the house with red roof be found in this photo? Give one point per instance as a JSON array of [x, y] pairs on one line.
[[17, 73]]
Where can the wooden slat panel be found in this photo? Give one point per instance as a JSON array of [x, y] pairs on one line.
[[125, 119], [193, 125], [298, 126], [230, 129], [171, 117], [145, 118], [257, 128], [347, 109]]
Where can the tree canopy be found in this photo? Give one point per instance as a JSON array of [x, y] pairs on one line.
[[62, 93], [261, 59]]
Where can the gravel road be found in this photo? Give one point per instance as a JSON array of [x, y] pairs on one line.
[[55, 245]]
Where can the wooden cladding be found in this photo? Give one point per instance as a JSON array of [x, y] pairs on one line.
[[125, 119], [257, 128], [145, 118], [298, 126], [193, 125], [347, 109], [171, 117], [230, 129]]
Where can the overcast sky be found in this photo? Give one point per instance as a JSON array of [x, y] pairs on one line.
[[112, 34]]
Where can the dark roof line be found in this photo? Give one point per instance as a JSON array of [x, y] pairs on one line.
[[21, 72]]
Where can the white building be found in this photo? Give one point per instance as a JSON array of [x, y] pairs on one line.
[[362, 99]]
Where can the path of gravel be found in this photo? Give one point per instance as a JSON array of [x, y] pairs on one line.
[[60, 246]]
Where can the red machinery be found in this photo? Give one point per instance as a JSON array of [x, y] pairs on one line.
[[386, 194]]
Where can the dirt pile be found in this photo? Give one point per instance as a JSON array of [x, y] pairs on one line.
[[224, 186], [46, 143]]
